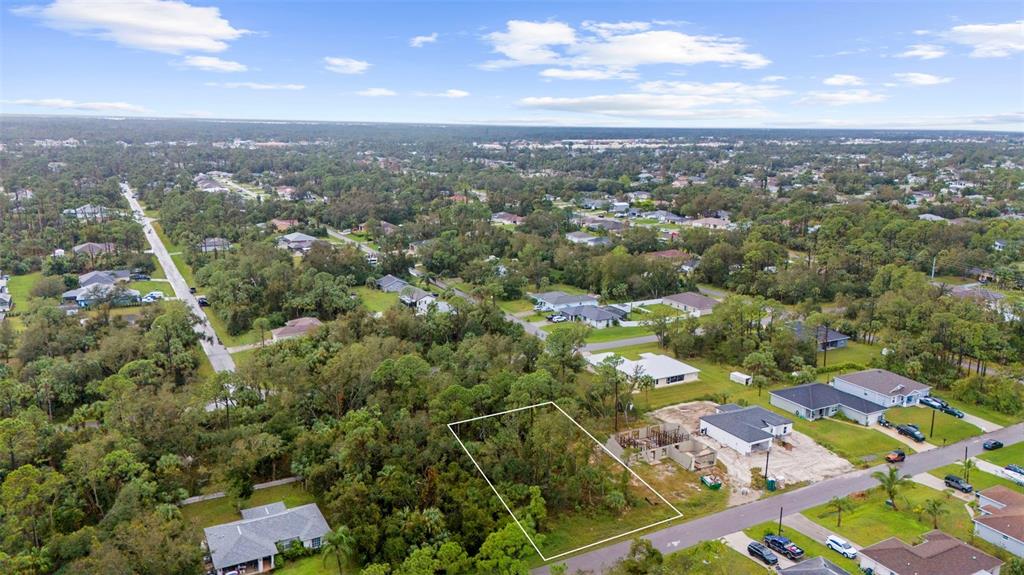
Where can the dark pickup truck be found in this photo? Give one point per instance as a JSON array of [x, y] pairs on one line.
[[910, 431]]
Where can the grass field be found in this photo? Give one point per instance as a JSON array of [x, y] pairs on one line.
[[986, 413], [634, 351], [245, 338], [184, 269], [613, 333], [171, 246], [872, 520], [979, 479], [811, 547], [1005, 456], [860, 353], [376, 300], [144, 287], [158, 270], [515, 305], [312, 565], [656, 308], [948, 429], [242, 358], [217, 511], [21, 286]]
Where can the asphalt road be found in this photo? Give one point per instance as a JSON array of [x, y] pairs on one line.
[[218, 354], [681, 536], [340, 236]]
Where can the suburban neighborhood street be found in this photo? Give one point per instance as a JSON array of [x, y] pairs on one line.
[[681, 536], [219, 356]]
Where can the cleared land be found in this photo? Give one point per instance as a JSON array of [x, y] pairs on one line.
[[376, 300], [223, 510]]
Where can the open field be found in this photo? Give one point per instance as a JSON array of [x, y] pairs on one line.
[[982, 411], [860, 353], [217, 511], [515, 305], [607, 334], [376, 300], [979, 479], [633, 351], [871, 520], [144, 287], [948, 429], [21, 286], [811, 547]]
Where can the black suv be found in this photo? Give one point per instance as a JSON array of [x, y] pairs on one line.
[[958, 483], [910, 431], [755, 549], [784, 546], [952, 411]]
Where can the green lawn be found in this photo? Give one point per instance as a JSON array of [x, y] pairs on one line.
[[982, 411], [811, 547], [376, 300], [245, 338], [222, 510], [515, 305], [979, 479], [158, 270], [948, 429], [655, 308], [571, 290], [21, 286], [613, 333], [861, 446], [1005, 456], [872, 520], [859, 353], [171, 246], [633, 351], [243, 358], [312, 565], [184, 269], [722, 560], [953, 280], [144, 287]]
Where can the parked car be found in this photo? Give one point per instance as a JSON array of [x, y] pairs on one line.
[[1015, 468], [910, 431], [958, 483], [139, 277], [952, 411], [557, 318], [841, 546], [883, 421], [761, 552], [895, 456], [784, 546], [191, 289], [202, 301], [992, 444], [932, 402]]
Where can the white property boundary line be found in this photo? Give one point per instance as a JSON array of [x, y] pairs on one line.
[[606, 450]]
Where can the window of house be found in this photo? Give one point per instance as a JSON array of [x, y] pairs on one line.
[[315, 543]]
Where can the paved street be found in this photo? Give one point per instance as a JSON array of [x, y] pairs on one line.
[[218, 354], [340, 236], [592, 347], [683, 535]]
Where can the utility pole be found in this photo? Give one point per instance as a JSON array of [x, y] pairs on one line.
[[933, 265], [767, 455], [931, 432], [615, 404], [780, 520]]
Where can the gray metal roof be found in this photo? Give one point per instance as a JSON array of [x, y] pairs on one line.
[[819, 395], [591, 312], [562, 298], [257, 534], [747, 424]]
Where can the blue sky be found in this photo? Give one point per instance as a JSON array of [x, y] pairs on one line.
[[687, 64]]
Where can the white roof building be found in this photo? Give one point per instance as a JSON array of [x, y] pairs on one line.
[[662, 368]]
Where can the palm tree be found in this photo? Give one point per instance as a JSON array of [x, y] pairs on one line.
[[838, 505], [968, 465], [891, 481], [338, 543], [935, 508]]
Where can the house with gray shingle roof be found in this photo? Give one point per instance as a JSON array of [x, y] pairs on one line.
[[251, 542], [745, 429], [817, 400], [814, 566], [882, 387]]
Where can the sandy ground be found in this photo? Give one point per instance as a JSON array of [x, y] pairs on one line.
[[796, 460]]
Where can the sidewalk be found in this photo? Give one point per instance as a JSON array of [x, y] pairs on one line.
[[798, 522]]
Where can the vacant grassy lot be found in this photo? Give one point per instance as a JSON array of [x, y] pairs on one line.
[[811, 547], [1005, 456], [515, 305], [376, 300], [654, 309], [245, 338], [184, 269], [144, 287], [872, 520], [979, 479], [859, 353], [986, 413], [613, 333], [948, 429], [21, 286], [634, 351], [223, 510]]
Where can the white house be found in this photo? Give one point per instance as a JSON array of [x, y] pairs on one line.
[[586, 239], [296, 242], [693, 303], [1001, 521], [250, 544], [745, 429], [662, 369], [597, 317], [883, 387], [559, 300], [816, 400]]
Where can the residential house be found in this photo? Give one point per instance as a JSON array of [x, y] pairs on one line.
[[937, 554], [109, 277], [883, 387], [664, 217], [618, 207], [712, 224], [817, 400], [662, 369], [288, 192], [97, 293], [6, 302], [692, 303], [931, 218], [586, 239], [93, 249], [283, 225], [814, 566], [411, 295], [827, 338], [605, 224], [999, 245], [296, 242], [507, 218], [595, 316], [90, 212], [1001, 518], [295, 328], [745, 429], [213, 245], [593, 203], [990, 299], [391, 284], [559, 300], [250, 544], [388, 228]]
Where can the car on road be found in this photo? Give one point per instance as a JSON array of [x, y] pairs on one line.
[[202, 301], [783, 546], [992, 444], [841, 546], [557, 318], [895, 456], [958, 483], [761, 552], [910, 431], [1015, 468], [932, 402], [952, 411], [191, 289]]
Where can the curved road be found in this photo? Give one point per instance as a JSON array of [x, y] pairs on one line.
[[683, 535], [218, 354]]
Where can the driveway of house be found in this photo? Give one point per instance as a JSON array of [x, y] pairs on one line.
[[891, 432], [799, 522], [739, 542]]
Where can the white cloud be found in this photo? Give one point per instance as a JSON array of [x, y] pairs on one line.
[[64, 104], [213, 64], [773, 78], [844, 97], [168, 26], [452, 93], [612, 48], [919, 79], [716, 92], [843, 80], [377, 92], [257, 86], [989, 40], [586, 74], [345, 65], [420, 41], [923, 51]]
